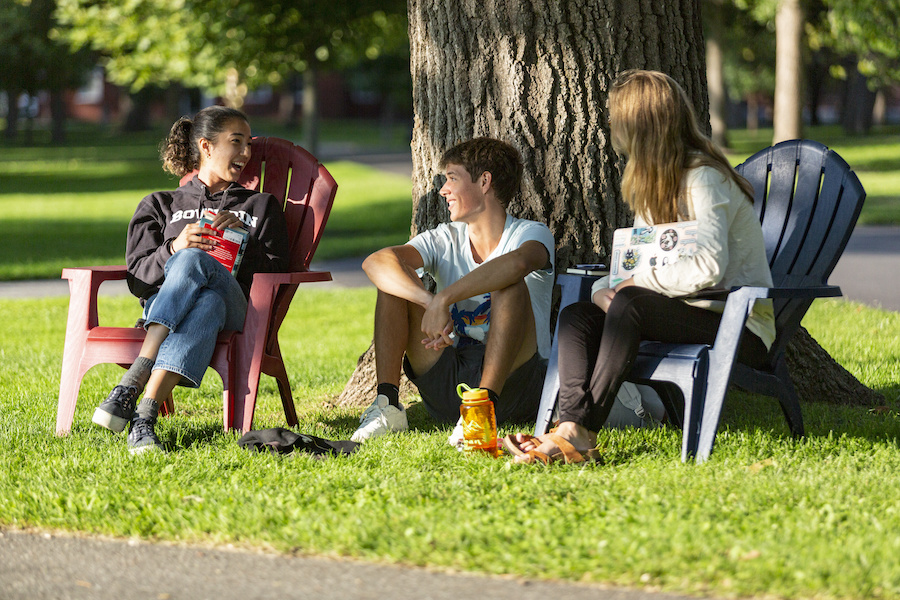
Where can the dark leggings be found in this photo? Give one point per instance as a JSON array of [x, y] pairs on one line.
[[597, 350]]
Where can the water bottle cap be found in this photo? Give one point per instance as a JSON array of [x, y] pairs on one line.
[[470, 394]]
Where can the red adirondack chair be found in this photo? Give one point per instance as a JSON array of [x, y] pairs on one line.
[[307, 189]]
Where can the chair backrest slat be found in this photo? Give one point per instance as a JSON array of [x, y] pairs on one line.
[[304, 188], [808, 200]]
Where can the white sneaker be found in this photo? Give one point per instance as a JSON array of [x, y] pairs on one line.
[[456, 436], [379, 419]]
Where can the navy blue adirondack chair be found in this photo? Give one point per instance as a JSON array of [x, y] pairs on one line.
[[808, 200]]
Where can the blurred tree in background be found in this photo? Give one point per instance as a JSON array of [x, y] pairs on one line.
[[228, 47], [31, 61], [851, 43]]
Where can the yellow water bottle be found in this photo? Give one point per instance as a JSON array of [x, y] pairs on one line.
[[479, 421]]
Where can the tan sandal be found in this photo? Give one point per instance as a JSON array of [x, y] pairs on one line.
[[567, 454]]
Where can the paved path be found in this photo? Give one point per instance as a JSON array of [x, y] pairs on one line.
[[868, 272], [41, 566], [869, 269]]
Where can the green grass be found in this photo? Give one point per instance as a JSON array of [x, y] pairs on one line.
[[875, 158], [70, 206], [766, 516]]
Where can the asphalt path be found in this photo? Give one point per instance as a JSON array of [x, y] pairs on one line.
[[868, 272], [35, 566]]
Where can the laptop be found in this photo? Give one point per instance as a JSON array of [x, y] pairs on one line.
[[639, 249]]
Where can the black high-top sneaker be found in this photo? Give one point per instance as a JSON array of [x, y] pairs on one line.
[[141, 436], [115, 412]]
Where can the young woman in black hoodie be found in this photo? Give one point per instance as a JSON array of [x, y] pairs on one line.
[[187, 295]]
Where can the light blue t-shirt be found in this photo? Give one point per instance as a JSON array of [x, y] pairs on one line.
[[447, 256]]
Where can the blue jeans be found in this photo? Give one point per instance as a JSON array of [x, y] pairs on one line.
[[198, 299]]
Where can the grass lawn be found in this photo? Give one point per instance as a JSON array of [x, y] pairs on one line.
[[70, 206], [766, 516]]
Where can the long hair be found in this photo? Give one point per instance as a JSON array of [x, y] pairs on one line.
[[180, 151], [653, 124]]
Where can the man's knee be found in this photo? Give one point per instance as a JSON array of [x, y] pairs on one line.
[[512, 297]]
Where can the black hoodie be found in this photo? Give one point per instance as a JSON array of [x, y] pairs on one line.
[[161, 216]]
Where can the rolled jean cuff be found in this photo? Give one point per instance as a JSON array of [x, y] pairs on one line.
[[158, 321], [187, 379]]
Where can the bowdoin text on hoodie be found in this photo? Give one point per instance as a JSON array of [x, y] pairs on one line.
[[161, 216]]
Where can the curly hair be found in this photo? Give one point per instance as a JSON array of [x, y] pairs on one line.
[[499, 158], [180, 151]]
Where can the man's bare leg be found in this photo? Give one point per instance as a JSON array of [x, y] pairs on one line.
[[512, 339], [397, 332], [398, 324]]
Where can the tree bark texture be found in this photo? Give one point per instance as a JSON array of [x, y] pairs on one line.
[[537, 74]]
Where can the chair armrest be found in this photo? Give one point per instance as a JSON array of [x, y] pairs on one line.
[[84, 283], [708, 294], [740, 303], [98, 274], [292, 277]]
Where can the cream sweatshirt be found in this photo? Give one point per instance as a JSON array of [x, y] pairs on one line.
[[730, 250]]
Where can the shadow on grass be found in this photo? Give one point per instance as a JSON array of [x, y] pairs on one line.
[[185, 437], [746, 413], [133, 176], [38, 248]]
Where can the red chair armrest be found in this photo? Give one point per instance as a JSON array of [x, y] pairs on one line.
[[293, 277], [83, 285]]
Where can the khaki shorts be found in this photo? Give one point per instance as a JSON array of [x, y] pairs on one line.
[[518, 402]]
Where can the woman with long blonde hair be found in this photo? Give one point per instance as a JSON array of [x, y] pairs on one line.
[[673, 173]]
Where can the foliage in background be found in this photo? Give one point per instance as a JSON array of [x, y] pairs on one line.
[[30, 61], [200, 42], [749, 47], [867, 29]]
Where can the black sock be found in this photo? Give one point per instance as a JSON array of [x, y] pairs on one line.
[[493, 396], [391, 391], [138, 374]]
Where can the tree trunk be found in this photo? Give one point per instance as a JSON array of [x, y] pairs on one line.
[[752, 111], [788, 71], [879, 109], [12, 115], [859, 101], [819, 378], [715, 74], [57, 116], [537, 75], [310, 135]]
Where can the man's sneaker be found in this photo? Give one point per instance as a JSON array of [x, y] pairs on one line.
[[457, 438], [115, 412], [380, 418], [142, 437]]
